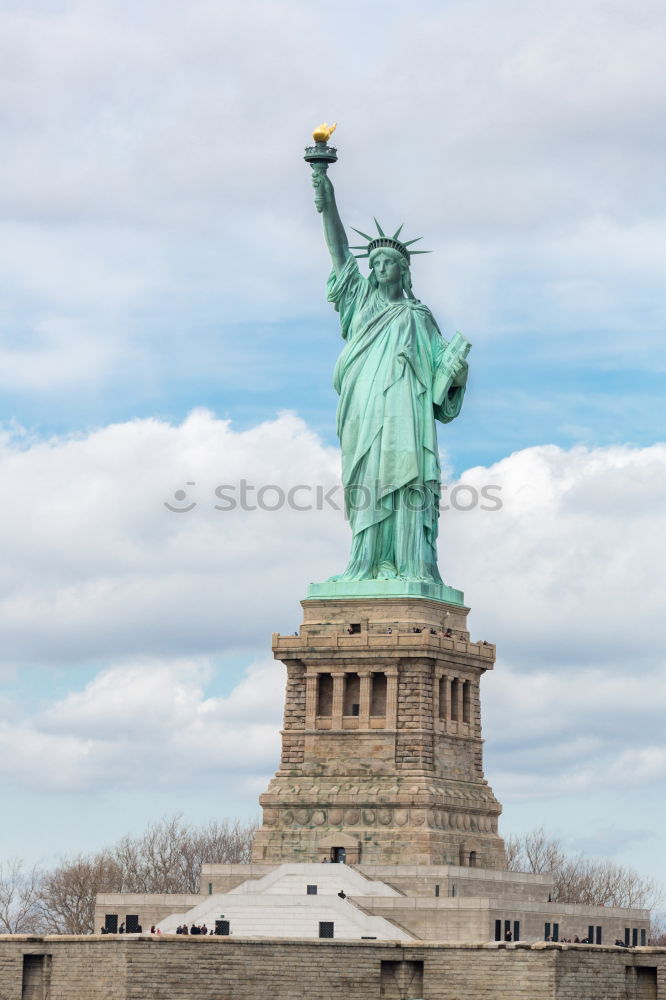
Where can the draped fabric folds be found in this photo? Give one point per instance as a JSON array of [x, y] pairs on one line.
[[393, 384]]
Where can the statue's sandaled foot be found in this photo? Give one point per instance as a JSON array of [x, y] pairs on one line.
[[387, 571]]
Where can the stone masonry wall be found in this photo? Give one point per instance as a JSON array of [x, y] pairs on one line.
[[420, 881], [414, 742], [399, 774], [84, 968], [350, 754], [293, 742], [458, 758], [175, 968]]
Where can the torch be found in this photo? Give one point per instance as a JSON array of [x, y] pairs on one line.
[[321, 154]]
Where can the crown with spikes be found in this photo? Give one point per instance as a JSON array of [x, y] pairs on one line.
[[392, 242]]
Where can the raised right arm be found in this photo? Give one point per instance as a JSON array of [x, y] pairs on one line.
[[334, 231]]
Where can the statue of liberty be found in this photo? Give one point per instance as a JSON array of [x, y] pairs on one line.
[[395, 376]]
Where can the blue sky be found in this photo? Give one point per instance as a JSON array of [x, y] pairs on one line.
[[163, 321], [596, 401]]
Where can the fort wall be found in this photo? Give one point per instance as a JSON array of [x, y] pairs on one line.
[[175, 968]]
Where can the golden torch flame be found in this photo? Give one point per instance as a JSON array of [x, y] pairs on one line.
[[323, 133]]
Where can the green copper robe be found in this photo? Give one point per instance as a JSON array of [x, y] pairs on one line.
[[393, 383]]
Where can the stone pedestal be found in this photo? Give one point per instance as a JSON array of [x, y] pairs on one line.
[[381, 747]]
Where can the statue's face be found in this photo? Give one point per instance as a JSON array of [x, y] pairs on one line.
[[386, 267]]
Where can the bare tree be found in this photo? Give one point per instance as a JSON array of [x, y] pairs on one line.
[[155, 861], [658, 930], [544, 853], [221, 843], [604, 883], [535, 852], [67, 897], [513, 853], [167, 857], [19, 898], [578, 879]]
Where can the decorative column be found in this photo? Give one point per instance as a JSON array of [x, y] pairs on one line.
[[338, 699], [366, 693], [391, 698], [310, 699], [437, 687]]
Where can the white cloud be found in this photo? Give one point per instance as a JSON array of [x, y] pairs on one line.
[[99, 575], [560, 573], [574, 730], [90, 544], [642, 766], [148, 724], [553, 576], [152, 169]]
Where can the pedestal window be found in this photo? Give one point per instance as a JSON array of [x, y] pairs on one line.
[[378, 696], [324, 694], [352, 695]]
